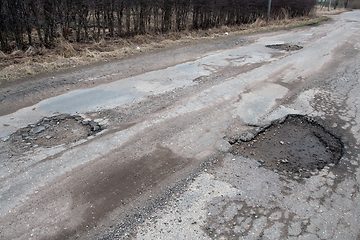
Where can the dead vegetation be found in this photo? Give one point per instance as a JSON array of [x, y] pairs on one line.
[[20, 64]]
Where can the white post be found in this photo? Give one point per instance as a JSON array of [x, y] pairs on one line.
[[268, 11]]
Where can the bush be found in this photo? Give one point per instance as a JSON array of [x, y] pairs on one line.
[[354, 4], [25, 23]]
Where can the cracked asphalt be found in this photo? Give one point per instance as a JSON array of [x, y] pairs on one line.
[[160, 164]]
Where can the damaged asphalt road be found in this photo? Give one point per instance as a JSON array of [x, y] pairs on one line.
[[251, 137]]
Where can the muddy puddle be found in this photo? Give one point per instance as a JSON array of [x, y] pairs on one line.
[[52, 131], [296, 146]]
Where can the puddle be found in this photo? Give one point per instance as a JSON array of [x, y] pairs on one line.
[[86, 100], [286, 47], [52, 131], [296, 146]]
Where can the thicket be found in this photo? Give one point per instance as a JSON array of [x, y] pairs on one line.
[[25, 23], [353, 4]]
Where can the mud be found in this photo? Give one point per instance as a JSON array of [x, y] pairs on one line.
[[296, 145], [52, 131], [119, 185], [285, 47]]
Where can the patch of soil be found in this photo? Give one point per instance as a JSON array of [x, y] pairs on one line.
[[119, 185], [53, 131], [285, 47], [294, 145]]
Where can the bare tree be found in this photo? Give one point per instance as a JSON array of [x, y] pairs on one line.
[[82, 20], [167, 14]]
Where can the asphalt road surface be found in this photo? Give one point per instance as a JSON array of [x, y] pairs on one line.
[[239, 137]]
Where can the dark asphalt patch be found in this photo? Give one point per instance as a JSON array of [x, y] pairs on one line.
[[296, 146], [285, 47]]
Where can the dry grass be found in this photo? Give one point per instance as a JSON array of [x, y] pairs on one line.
[[332, 11], [20, 64]]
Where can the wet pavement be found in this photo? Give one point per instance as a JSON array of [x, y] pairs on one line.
[[165, 165]]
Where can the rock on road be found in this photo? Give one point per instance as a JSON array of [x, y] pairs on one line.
[[146, 154]]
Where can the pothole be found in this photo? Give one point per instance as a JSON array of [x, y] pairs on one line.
[[286, 47], [53, 131], [296, 146]]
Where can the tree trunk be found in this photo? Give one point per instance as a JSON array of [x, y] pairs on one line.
[[78, 31], [119, 16], [167, 12], [110, 17], [15, 21], [103, 25], [49, 22], [136, 19], [128, 20], [156, 19], [178, 18], [195, 18], [142, 18], [98, 21]]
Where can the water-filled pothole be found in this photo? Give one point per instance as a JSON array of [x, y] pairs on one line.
[[295, 145], [286, 47], [52, 131]]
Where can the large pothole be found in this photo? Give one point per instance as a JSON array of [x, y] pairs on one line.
[[295, 145], [52, 131]]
